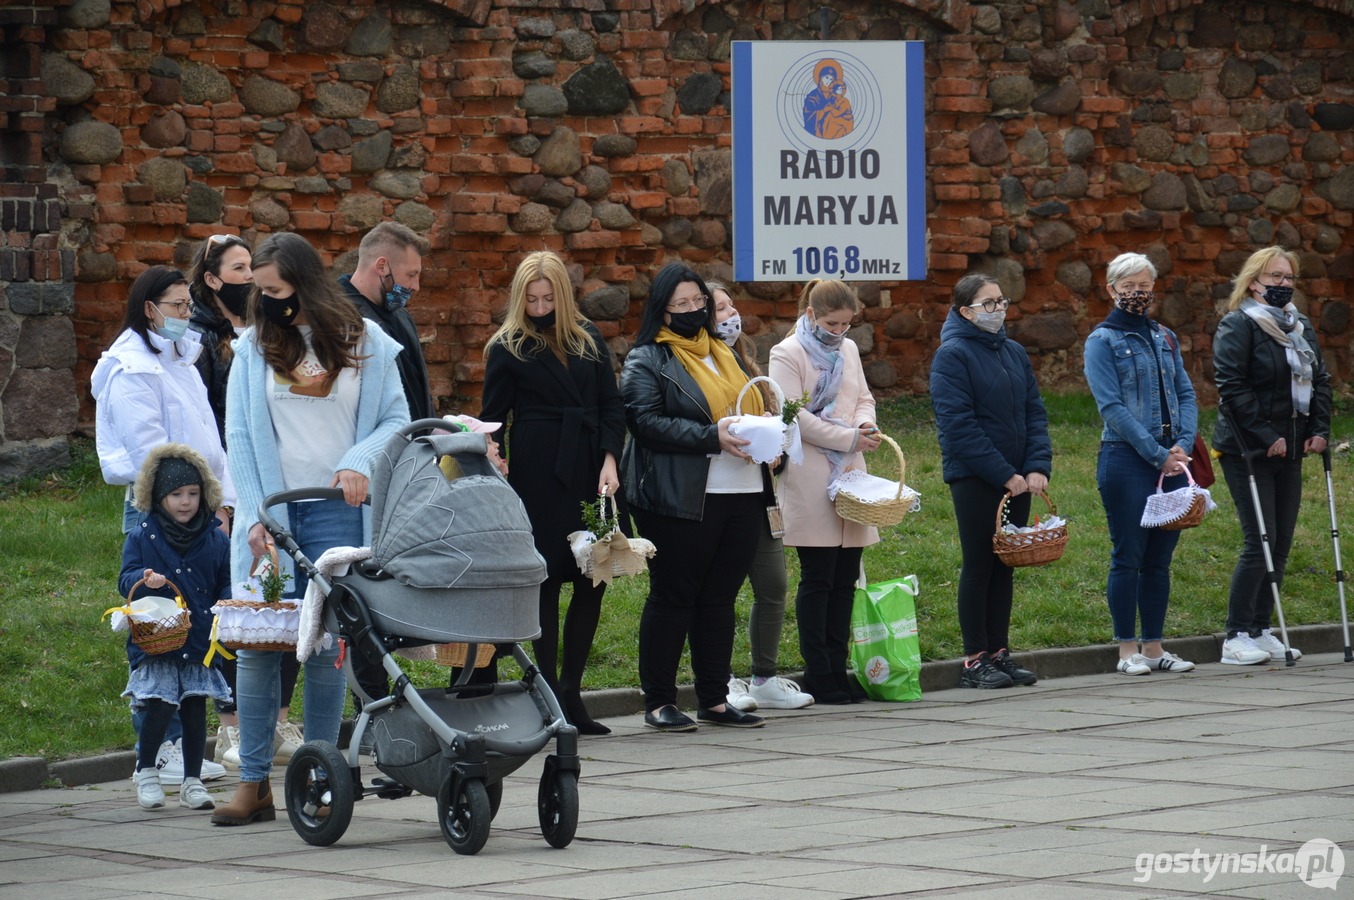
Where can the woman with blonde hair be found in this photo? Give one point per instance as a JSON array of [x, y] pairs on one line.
[[1274, 396], [548, 375], [836, 426]]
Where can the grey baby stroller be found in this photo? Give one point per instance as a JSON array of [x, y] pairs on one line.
[[452, 561]]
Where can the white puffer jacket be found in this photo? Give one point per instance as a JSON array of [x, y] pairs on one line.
[[146, 399]]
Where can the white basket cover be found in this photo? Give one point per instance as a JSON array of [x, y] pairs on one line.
[[1171, 506], [866, 488], [249, 625]]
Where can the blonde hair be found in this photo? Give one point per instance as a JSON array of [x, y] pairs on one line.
[[1258, 263], [828, 296], [517, 335]]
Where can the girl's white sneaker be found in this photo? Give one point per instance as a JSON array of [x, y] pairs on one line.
[[194, 796], [1134, 665], [148, 791], [1166, 662]]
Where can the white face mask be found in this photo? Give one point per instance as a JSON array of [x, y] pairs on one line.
[[990, 322], [730, 329]]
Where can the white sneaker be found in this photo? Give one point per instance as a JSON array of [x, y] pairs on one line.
[[170, 764], [226, 737], [738, 697], [1242, 650], [1134, 665], [1166, 662], [194, 796], [287, 740], [1267, 641], [779, 693], [149, 794]]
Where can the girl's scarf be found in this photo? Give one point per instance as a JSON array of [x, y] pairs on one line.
[[721, 390], [829, 363], [181, 537], [1286, 328]]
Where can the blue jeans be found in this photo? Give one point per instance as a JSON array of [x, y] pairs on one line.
[[131, 517], [1140, 561], [317, 526]]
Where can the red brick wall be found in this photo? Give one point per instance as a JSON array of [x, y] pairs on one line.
[[1167, 163]]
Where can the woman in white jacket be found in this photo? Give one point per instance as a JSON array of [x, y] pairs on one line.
[[149, 393]]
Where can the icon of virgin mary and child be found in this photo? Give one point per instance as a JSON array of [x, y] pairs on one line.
[[827, 112]]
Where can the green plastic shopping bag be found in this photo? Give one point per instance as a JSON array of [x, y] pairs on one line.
[[885, 649]]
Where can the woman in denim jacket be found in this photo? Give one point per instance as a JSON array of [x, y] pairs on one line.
[[1134, 369]]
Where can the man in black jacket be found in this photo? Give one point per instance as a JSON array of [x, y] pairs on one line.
[[389, 261]]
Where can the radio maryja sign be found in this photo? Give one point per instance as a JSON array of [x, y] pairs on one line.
[[829, 161]]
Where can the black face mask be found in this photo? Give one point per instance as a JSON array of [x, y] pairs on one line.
[[689, 324], [543, 322], [279, 312], [235, 297], [1278, 295]]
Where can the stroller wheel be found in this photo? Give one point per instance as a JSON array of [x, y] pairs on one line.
[[557, 805], [464, 820], [495, 791], [319, 792]]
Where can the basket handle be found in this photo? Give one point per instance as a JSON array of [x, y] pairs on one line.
[[902, 463], [602, 498], [1003, 513], [1162, 478], [178, 594], [272, 552], [775, 388]]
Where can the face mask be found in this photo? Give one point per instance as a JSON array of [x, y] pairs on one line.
[[689, 324], [827, 338], [990, 322], [397, 295], [1135, 303], [172, 329], [279, 312], [235, 297], [1278, 295], [543, 322], [730, 329]]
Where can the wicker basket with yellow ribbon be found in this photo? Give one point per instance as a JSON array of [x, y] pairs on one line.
[[268, 624], [158, 624]]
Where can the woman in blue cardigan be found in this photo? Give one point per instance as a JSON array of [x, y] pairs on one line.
[[993, 441], [313, 397], [1134, 369]]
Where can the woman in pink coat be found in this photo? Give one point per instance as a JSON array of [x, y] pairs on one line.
[[836, 425]]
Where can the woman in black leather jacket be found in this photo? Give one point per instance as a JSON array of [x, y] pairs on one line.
[[693, 493], [1273, 386]]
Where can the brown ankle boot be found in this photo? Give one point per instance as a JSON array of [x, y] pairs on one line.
[[253, 802]]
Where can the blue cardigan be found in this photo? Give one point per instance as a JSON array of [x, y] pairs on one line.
[[203, 574], [254, 464], [988, 410]]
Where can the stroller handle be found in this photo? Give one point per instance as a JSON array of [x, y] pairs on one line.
[[281, 497], [425, 425]]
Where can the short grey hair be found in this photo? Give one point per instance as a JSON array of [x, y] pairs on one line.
[[1126, 264]]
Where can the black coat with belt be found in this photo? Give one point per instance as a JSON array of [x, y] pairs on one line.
[[563, 423]]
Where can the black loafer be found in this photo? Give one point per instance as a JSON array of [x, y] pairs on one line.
[[825, 690], [669, 718], [729, 718], [850, 685]]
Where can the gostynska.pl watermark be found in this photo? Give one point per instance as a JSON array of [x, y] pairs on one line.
[[1319, 863]]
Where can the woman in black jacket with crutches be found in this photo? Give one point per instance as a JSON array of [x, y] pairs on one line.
[[1275, 397], [993, 441], [549, 370]]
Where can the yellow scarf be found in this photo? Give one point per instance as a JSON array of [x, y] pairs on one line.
[[721, 391]]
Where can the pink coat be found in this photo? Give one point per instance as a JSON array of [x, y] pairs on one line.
[[810, 519]]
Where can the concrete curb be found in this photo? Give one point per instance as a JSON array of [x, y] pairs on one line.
[[27, 773]]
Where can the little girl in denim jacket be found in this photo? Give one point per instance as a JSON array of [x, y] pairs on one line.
[[177, 550]]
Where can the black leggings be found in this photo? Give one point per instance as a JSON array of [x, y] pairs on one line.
[[193, 714], [580, 627], [827, 588], [985, 582]]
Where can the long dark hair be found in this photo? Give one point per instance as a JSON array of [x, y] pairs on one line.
[[336, 325], [661, 291], [149, 285], [207, 258]]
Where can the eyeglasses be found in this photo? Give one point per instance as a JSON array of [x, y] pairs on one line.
[[680, 306], [1281, 278], [183, 307], [992, 305]]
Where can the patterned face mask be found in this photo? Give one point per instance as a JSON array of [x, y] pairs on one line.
[[730, 329], [1278, 295], [1135, 303]]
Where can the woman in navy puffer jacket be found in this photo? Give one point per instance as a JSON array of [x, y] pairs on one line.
[[993, 440]]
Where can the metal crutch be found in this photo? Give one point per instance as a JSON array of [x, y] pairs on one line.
[[1248, 455], [1339, 567]]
